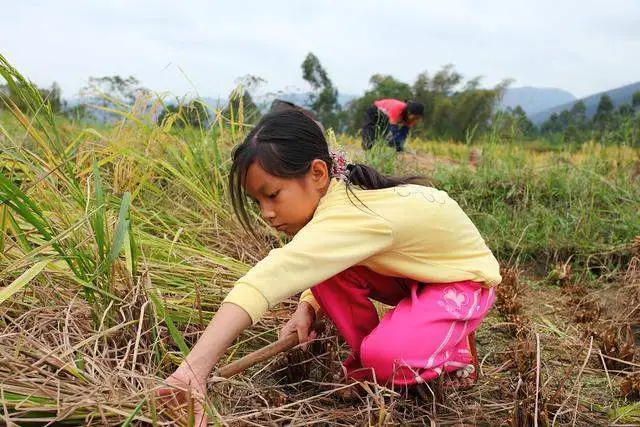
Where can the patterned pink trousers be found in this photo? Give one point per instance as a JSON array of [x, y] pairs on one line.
[[425, 334]]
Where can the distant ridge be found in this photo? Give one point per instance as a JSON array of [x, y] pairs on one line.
[[619, 96]]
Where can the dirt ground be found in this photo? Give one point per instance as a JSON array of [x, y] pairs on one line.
[[552, 352]]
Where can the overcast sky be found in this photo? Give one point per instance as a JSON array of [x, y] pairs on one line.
[[202, 47]]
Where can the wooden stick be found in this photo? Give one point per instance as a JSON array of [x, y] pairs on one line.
[[258, 356], [265, 353]]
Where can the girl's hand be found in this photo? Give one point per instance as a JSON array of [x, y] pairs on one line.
[[188, 384], [300, 323], [183, 389]]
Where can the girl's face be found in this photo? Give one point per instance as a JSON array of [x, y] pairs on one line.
[[287, 204]]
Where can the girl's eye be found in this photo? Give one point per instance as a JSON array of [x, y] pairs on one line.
[[274, 194]]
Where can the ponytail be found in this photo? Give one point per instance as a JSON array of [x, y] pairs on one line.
[[368, 178]]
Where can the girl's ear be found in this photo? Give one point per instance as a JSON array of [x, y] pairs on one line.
[[319, 173]]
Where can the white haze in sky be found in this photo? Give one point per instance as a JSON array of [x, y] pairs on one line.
[[202, 47]]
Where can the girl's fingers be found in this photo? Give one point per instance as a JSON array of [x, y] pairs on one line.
[[311, 337], [303, 333], [287, 330], [177, 402], [168, 397], [169, 391]]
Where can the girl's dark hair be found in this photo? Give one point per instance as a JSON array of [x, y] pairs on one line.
[[285, 143], [280, 105]]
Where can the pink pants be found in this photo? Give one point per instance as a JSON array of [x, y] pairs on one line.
[[422, 336]]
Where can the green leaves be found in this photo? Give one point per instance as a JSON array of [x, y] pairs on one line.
[[176, 335], [122, 226], [22, 281], [98, 222]]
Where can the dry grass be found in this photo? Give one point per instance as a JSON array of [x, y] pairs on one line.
[[55, 366], [110, 269]]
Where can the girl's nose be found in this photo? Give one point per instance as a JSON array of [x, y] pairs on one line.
[[268, 213]]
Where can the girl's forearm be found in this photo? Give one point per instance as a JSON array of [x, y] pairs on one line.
[[227, 324]]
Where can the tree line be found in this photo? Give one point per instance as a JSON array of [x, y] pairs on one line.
[[620, 125], [455, 108], [53, 95], [463, 111]]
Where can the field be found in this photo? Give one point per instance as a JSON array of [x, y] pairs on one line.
[[118, 243]]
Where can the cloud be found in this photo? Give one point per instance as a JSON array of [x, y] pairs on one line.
[[580, 46]]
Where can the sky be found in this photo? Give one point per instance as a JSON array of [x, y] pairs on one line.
[[201, 48]]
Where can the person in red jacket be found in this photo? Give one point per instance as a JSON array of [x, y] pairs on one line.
[[390, 119]]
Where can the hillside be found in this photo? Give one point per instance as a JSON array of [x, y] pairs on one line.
[[619, 96], [535, 99]]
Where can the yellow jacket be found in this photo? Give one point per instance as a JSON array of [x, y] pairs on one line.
[[408, 231]]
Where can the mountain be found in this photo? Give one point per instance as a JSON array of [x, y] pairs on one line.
[[619, 96], [535, 99]]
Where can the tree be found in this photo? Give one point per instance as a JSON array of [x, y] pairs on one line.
[[114, 89], [386, 86], [625, 110], [170, 111], [564, 119], [324, 99], [433, 93], [194, 114], [604, 113], [578, 114], [526, 126], [114, 92], [452, 108], [445, 81], [78, 112], [571, 133], [314, 74], [513, 124], [635, 101], [52, 96], [473, 108], [241, 108], [422, 92], [571, 123], [551, 125]]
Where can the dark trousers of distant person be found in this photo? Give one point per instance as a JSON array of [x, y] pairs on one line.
[[376, 126]]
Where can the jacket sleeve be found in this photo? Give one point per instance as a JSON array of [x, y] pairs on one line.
[[327, 245]]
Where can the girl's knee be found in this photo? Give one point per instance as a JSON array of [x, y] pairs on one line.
[[377, 357]]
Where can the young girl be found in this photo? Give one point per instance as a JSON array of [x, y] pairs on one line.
[[356, 235], [390, 119]]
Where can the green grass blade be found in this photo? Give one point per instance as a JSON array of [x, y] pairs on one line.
[[23, 280], [176, 335], [12, 196], [121, 228], [4, 225], [130, 251], [98, 218], [18, 233], [133, 414]]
